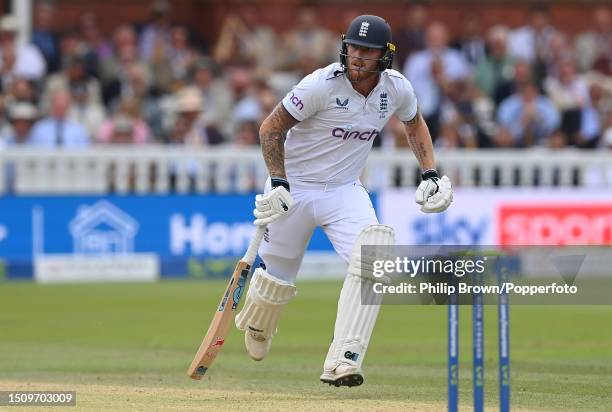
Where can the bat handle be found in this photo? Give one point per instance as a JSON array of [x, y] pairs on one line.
[[249, 256]]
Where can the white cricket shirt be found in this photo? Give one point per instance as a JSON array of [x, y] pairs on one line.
[[338, 124]]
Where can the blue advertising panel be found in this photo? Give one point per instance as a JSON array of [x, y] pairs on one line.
[[190, 233]]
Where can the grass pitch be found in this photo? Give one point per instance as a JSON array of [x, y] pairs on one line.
[[127, 347]]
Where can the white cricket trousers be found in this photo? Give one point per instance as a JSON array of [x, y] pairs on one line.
[[342, 211]]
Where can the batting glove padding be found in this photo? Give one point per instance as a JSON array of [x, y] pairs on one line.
[[272, 205], [434, 194]]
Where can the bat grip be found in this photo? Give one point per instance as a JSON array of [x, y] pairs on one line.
[[249, 256]]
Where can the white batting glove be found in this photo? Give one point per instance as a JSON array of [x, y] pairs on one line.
[[272, 205], [434, 194]]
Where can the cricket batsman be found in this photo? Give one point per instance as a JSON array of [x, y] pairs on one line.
[[331, 119]]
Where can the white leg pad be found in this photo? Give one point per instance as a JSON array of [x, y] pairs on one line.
[[355, 321], [265, 300]]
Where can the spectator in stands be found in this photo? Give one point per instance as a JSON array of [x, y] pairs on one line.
[[44, 36], [18, 60], [74, 76], [471, 44], [156, 34], [430, 72], [494, 74], [531, 42], [245, 40], [308, 45], [467, 117], [526, 118], [594, 47], [122, 131], [566, 90], [189, 129], [22, 116], [22, 90], [410, 37], [93, 38], [606, 138], [214, 88], [71, 44], [244, 86], [5, 126], [84, 110], [113, 71], [128, 108], [522, 73], [457, 125], [57, 130], [559, 52], [484, 110], [247, 134], [600, 92], [267, 99], [171, 63], [181, 54], [138, 82], [570, 94]]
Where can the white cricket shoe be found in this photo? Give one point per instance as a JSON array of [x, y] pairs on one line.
[[257, 345], [343, 375]]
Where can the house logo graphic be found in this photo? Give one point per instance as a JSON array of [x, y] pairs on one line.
[[103, 228]]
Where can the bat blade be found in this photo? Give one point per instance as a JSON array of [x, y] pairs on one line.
[[217, 331]]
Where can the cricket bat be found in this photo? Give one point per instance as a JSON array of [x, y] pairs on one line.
[[217, 331]]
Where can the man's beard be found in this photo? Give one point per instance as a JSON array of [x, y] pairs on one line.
[[358, 75]]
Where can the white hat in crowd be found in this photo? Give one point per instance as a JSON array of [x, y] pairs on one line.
[[189, 100], [23, 111], [9, 23]]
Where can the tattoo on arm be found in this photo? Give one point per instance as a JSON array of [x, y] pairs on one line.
[[420, 141], [272, 137], [418, 148]]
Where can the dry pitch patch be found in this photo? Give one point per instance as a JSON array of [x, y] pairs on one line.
[[93, 397]]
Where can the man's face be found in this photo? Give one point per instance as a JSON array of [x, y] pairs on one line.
[[529, 93], [539, 20], [22, 129], [497, 43], [436, 36], [179, 37], [7, 38], [362, 62], [60, 103]]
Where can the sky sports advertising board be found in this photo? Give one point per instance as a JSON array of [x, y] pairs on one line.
[[533, 216]]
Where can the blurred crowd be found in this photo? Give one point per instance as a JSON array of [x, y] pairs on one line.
[[157, 82], [511, 87]]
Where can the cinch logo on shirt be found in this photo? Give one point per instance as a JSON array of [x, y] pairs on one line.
[[347, 134], [296, 101]]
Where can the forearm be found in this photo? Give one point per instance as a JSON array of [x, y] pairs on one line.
[[272, 138], [273, 149], [420, 142]]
